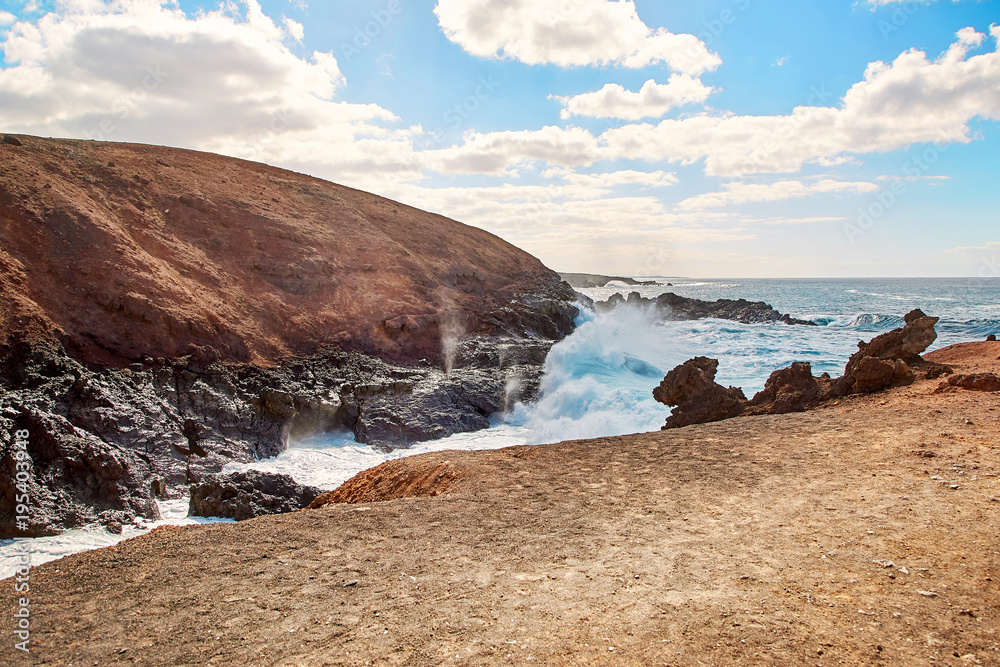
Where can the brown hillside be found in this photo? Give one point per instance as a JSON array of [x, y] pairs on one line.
[[127, 250]]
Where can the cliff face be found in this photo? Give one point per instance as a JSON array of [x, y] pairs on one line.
[[124, 251]]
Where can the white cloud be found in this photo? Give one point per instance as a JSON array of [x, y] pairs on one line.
[[645, 179], [496, 152], [742, 193], [652, 101], [991, 246], [6, 18], [569, 33], [222, 81], [911, 101], [294, 28]]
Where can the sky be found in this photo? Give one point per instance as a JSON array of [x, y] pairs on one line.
[[718, 138]]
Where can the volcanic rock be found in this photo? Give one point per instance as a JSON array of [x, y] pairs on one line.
[[788, 389], [698, 398], [244, 495], [670, 306], [891, 359], [991, 338], [165, 312], [972, 382]]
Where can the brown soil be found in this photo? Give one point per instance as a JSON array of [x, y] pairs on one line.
[[864, 532], [125, 250]]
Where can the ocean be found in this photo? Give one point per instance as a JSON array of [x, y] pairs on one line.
[[599, 380]]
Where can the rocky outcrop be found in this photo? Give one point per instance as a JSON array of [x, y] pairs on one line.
[[590, 280], [698, 397], [245, 495], [104, 444], [165, 312], [970, 382], [888, 360], [789, 389], [891, 359], [670, 306]]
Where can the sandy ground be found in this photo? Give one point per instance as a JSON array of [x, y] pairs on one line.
[[865, 532]]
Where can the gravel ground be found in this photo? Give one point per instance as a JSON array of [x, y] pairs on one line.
[[865, 532]]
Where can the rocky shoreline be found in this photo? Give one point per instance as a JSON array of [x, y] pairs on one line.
[[670, 306], [862, 533], [106, 443], [889, 360], [164, 312]]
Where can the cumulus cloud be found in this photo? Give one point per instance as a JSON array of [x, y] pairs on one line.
[[652, 101], [6, 18], [913, 100], [496, 152], [569, 33], [742, 193], [221, 81]]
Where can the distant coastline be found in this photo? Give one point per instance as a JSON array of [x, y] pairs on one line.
[[589, 280]]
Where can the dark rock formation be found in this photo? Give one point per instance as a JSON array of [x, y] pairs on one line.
[[698, 397], [11, 140], [588, 280], [670, 306], [890, 359], [244, 495], [105, 443], [164, 312], [991, 338]]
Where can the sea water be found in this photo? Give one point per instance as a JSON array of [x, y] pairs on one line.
[[599, 380]]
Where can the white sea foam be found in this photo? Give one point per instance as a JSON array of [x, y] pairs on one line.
[[599, 380], [46, 549]]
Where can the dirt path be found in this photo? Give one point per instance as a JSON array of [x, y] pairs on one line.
[[862, 533]]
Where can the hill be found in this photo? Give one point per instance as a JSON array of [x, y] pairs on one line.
[[125, 250]]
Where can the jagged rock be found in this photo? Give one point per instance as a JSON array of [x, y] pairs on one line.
[[788, 389], [691, 387], [670, 306], [75, 478], [889, 360], [244, 495], [171, 424]]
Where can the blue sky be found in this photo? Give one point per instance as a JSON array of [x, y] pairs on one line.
[[734, 138]]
